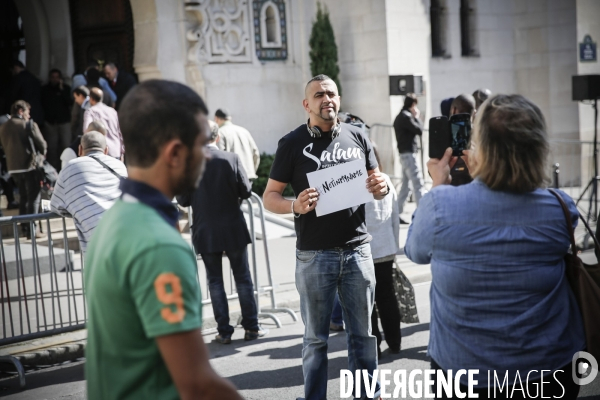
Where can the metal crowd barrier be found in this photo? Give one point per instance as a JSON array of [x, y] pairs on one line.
[[42, 287], [41, 280], [256, 209], [41, 284]]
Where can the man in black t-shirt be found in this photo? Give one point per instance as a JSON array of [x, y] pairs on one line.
[[333, 252]]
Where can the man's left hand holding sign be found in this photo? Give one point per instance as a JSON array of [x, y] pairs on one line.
[[376, 184]]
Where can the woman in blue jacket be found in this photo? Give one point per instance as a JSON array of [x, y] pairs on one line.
[[500, 301]]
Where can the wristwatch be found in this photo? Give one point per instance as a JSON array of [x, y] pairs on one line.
[[388, 189]]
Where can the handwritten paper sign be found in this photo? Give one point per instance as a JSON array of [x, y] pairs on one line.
[[340, 187]]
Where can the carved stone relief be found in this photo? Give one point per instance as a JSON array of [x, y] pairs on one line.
[[218, 31]]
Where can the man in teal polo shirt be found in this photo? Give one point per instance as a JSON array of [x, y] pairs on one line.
[[145, 316]]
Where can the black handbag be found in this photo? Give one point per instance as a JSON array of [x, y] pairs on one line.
[[46, 173], [405, 295], [48, 176], [584, 280]]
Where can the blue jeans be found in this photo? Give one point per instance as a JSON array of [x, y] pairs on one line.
[[238, 260], [336, 313], [410, 172], [319, 274]]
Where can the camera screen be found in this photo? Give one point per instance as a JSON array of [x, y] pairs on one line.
[[461, 131]]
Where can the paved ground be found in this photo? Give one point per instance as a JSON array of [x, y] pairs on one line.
[[271, 367]]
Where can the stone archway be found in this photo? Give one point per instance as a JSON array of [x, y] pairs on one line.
[[150, 59], [48, 34], [47, 30]]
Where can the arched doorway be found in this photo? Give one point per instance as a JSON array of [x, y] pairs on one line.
[[102, 32]]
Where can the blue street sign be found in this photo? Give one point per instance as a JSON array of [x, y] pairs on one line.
[[587, 50]]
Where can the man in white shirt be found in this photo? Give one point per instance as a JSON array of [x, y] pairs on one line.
[[71, 152], [238, 140], [88, 186], [108, 116]]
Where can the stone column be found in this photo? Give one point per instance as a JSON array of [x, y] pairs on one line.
[[145, 26]]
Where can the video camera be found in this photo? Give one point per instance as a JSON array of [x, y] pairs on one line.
[[454, 132]]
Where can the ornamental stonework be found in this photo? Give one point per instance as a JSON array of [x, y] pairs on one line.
[[218, 31]]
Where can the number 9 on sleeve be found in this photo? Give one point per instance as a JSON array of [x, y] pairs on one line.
[[172, 298]]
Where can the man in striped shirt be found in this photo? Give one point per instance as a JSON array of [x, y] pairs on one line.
[[88, 185]]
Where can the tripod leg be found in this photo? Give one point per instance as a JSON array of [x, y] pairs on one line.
[[593, 195], [585, 190]]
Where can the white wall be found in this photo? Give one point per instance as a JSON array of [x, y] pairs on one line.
[[545, 44], [409, 48], [588, 23], [524, 46], [361, 37], [545, 60], [493, 69], [266, 97]]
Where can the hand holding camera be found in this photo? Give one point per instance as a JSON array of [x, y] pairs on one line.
[[439, 169], [453, 134]]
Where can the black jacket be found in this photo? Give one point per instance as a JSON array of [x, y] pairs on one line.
[[218, 222], [25, 86], [123, 84], [57, 103], [407, 128]]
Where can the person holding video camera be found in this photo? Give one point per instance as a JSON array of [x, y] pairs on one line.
[[462, 104], [500, 300]]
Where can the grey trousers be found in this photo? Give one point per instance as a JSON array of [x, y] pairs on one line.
[[410, 172]]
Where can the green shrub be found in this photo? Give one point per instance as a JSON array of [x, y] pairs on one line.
[[263, 171], [323, 50]]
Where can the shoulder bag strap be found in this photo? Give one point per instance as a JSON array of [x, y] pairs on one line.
[[112, 171], [570, 223]]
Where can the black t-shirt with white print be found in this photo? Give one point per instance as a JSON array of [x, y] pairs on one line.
[[298, 154]]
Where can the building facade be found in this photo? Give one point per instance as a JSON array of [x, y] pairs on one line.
[[251, 56]]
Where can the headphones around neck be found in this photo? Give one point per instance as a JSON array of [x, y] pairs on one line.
[[316, 132]]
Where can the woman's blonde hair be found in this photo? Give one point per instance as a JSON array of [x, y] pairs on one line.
[[510, 144]]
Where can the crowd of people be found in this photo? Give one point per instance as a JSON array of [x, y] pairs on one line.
[[46, 122], [499, 297]]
